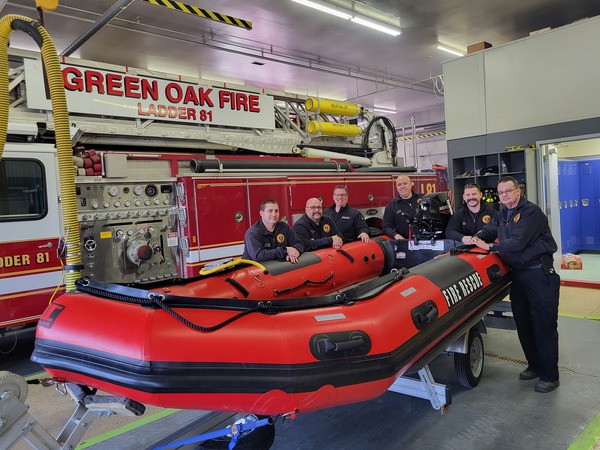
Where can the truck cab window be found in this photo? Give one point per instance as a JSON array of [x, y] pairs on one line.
[[22, 190]]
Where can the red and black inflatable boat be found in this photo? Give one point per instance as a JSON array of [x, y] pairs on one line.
[[337, 328]]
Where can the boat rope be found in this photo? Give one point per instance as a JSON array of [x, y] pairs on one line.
[[167, 302], [158, 299], [305, 283]]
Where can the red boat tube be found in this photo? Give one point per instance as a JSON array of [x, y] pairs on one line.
[[301, 347]]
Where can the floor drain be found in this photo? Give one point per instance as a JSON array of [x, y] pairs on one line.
[[505, 358]]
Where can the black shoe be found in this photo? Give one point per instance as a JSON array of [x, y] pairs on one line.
[[528, 374], [546, 386]]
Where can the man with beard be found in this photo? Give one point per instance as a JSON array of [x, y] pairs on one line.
[[315, 230], [471, 217]]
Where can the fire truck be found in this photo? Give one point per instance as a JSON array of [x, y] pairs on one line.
[[169, 172]]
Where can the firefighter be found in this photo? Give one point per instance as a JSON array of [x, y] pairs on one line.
[[401, 210], [526, 243], [315, 230], [471, 218], [270, 239], [350, 221]]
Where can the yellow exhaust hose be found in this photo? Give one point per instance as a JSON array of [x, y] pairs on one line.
[[61, 127]]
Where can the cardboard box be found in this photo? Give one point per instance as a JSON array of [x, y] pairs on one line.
[[571, 262], [478, 46]]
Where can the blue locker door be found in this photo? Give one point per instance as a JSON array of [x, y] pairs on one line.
[[576, 202], [564, 183], [587, 206], [596, 174]]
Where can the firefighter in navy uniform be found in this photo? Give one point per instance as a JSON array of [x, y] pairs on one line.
[[471, 217], [315, 230], [526, 243], [350, 222], [401, 210], [270, 239]]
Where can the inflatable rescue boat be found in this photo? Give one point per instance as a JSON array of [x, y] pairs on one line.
[[272, 338]]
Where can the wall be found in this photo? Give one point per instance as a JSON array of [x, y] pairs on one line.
[[549, 78]]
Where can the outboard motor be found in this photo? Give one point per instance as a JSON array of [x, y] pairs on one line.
[[432, 217]]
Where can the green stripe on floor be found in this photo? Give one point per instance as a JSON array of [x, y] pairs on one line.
[[124, 429], [575, 316], [589, 438]]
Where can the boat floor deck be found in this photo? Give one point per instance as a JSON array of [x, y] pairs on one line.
[[501, 413]]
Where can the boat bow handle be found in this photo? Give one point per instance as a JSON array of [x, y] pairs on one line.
[[329, 346], [424, 314]]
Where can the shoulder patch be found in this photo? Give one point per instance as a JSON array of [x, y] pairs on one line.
[[326, 228]]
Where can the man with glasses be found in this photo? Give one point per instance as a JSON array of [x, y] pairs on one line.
[[471, 217], [401, 210], [350, 221], [315, 230], [526, 243], [270, 239]]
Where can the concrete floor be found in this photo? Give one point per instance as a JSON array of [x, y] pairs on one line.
[[501, 413]]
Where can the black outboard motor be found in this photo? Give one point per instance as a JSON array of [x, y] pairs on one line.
[[432, 217]]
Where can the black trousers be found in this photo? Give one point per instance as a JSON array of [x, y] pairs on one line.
[[534, 299]]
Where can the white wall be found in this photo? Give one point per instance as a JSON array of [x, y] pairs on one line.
[[539, 80]]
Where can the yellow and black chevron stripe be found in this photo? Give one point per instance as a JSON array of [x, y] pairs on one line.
[[422, 136], [204, 13]]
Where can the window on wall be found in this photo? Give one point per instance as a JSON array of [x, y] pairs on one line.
[[22, 190]]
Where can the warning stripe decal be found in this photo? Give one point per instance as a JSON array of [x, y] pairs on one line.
[[204, 13], [422, 136]]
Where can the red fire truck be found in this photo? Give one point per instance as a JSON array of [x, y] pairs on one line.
[[169, 174]]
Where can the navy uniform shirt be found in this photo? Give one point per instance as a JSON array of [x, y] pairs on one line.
[[262, 245], [523, 235], [397, 214], [466, 223], [350, 222], [314, 235]]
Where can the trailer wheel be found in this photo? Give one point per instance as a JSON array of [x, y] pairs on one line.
[[257, 439], [469, 366]]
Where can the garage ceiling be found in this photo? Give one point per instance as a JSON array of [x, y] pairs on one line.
[[296, 49]]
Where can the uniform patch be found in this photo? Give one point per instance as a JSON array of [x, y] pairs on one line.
[[516, 218], [326, 228], [486, 219], [280, 238]]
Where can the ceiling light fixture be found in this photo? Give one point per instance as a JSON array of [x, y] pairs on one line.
[[350, 15], [449, 50], [325, 9], [376, 26], [384, 110]]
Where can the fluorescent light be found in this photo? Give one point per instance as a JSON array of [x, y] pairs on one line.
[[324, 9], [375, 26], [384, 110], [349, 15], [449, 50]]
